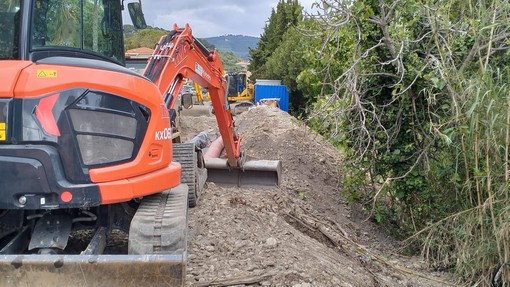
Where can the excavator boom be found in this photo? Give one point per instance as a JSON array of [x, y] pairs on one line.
[[179, 56]]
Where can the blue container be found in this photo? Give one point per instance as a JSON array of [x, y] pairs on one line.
[[273, 91]]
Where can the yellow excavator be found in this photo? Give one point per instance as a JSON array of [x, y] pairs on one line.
[[199, 94], [240, 92], [239, 87]]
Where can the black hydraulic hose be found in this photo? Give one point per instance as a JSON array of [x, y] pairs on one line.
[[202, 47], [153, 61], [92, 217], [155, 66]]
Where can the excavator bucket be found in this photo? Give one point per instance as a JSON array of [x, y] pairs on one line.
[[92, 270], [251, 173]]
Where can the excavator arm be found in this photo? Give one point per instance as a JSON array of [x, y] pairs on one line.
[[179, 56]]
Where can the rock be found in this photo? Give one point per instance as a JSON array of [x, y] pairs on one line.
[[210, 248], [271, 242], [240, 244]]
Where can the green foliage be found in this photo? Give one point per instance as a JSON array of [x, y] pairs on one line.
[[129, 30], [229, 60], [288, 62], [144, 38], [284, 52], [61, 23], [8, 38], [286, 15], [417, 96]]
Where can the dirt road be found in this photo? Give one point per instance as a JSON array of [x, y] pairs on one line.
[[300, 234]]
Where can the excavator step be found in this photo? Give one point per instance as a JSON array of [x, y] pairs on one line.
[[92, 270]]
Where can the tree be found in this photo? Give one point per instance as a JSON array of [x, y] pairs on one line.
[[288, 62], [287, 14], [144, 38], [129, 30], [229, 61]]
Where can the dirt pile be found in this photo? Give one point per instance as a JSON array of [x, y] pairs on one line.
[[299, 234]]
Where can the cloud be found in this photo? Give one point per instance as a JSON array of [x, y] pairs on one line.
[[212, 17]]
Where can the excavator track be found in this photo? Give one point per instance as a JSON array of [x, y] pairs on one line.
[[191, 173], [160, 223]]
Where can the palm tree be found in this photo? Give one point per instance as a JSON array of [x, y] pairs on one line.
[[66, 22], [9, 5], [95, 26]]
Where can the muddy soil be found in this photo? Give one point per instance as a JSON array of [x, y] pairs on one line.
[[302, 233]]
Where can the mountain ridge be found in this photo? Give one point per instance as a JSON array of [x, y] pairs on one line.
[[238, 44]]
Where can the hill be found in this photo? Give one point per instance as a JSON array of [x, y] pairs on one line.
[[238, 44], [230, 54]]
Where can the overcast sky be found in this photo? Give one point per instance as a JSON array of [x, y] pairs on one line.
[[211, 18]]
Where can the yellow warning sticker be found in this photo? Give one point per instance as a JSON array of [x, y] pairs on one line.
[[46, 74], [2, 132]]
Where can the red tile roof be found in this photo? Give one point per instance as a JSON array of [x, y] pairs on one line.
[[141, 50]]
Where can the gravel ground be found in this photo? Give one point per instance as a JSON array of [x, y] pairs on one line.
[[302, 233]]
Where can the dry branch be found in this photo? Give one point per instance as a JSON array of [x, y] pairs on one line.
[[243, 280]]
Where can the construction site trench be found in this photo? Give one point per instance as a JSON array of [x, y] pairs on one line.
[[302, 233]]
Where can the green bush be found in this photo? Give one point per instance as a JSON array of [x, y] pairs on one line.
[[417, 96]]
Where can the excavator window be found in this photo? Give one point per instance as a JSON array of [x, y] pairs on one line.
[[242, 82], [88, 26], [9, 29]]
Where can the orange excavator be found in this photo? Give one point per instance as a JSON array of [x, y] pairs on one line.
[[87, 161]]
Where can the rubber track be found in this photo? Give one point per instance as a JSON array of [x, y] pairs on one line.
[[160, 223], [184, 153]]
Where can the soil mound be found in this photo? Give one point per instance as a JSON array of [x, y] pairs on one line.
[[299, 234]]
